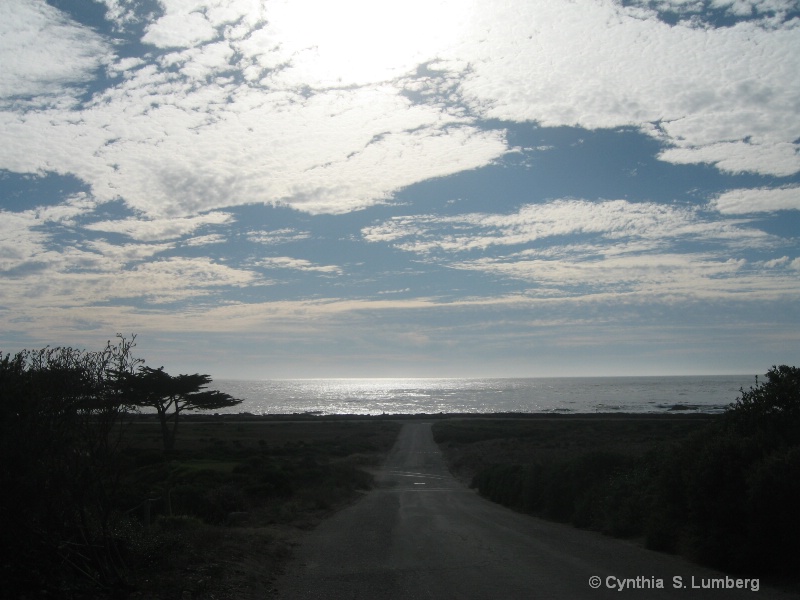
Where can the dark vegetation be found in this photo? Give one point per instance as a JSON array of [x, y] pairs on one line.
[[720, 490], [60, 418], [170, 396], [225, 505], [99, 502]]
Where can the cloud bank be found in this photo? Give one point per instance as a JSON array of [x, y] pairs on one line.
[[241, 103], [401, 171]]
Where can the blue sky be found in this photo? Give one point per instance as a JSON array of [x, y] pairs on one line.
[[267, 189]]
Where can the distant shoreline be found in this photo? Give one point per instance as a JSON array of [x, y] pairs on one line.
[[605, 416], [513, 397]]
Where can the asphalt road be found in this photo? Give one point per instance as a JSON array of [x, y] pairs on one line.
[[422, 534]]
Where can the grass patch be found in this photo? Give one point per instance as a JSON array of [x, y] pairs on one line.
[[231, 495]]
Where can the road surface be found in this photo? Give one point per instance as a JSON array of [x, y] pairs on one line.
[[422, 534]]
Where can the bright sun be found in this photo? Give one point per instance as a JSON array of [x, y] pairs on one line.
[[356, 42]]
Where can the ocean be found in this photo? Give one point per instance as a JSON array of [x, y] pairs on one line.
[[706, 394]]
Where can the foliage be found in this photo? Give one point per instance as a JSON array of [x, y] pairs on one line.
[[60, 425], [772, 406], [170, 395], [564, 491], [215, 479], [78, 482], [725, 495]]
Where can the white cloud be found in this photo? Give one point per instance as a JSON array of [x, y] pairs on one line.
[[25, 237], [594, 64], [780, 159], [41, 271], [665, 277], [205, 240], [121, 12], [171, 150], [651, 224], [739, 8], [591, 248], [116, 257], [777, 262], [241, 102], [205, 62], [748, 7], [277, 236], [179, 29], [87, 288], [160, 229], [19, 245], [67, 211], [748, 201], [184, 134], [299, 264], [44, 54], [357, 42], [176, 279]]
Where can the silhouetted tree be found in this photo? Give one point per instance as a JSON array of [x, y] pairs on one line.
[[60, 425], [772, 406], [171, 395]]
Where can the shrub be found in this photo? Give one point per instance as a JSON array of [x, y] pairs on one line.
[[715, 497], [626, 501], [772, 406], [61, 420], [666, 512], [496, 482], [774, 521], [589, 476], [562, 491], [726, 495]]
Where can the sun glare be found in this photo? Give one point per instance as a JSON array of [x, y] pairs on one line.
[[357, 42]]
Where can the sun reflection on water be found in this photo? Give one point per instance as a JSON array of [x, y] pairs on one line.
[[454, 395]]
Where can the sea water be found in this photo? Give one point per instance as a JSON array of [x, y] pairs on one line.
[[707, 394]]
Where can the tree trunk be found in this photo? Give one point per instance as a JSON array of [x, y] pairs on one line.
[[168, 433], [174, 432], [169, 441]]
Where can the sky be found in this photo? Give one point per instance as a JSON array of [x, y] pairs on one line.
[[317, 188]]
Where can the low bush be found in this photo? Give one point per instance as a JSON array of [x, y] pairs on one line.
[[772, 502], [565, 491], [725, 493]]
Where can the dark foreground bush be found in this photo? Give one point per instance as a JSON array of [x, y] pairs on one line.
[[726, 496], [566, 491], [772, 502], [59, 418]]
